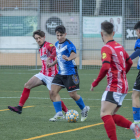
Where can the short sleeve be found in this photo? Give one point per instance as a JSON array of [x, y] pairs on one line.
[[71, 48], [106, 54], [50, 47], [137, 44]]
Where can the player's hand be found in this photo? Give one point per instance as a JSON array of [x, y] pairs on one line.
[[47, 61], [49, 65], [65, 57], [91, 89]]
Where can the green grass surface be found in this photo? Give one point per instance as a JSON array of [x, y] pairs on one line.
[[34, 120]]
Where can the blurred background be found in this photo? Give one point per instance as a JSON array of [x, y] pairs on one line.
[[82, 19]]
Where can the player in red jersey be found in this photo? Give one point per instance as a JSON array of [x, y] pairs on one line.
[[115, 65], [45, 76]]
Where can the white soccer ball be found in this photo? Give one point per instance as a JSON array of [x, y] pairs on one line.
[[72, 116]]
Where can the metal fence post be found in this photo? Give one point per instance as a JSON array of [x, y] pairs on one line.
[[81, 37], [36, 60], [123, 23]]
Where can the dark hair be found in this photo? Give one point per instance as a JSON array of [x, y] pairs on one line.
[[137, 25], [61, 29], [107, 27], [38, 32]]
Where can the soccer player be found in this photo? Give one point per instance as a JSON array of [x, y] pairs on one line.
[[67, 76], [136, 88], [45, 76], [115, 64]]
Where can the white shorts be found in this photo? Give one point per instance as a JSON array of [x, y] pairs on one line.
[[113, 97], [47, 81]]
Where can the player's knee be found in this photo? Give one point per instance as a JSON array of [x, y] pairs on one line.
[[27, 86], [51, 99], [104, 113], [134, 95], [73, 95], [52, 94]]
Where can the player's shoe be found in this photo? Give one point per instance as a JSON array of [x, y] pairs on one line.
[[135, 127], [17, 109], [84, 113], [57, 117]]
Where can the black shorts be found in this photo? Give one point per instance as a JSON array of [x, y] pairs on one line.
[[137, 83], [71, 82]]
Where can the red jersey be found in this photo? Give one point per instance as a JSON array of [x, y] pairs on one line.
[[115, 54], [48, 50]]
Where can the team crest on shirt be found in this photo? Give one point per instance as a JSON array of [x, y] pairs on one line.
[[75, 79], [104, 55], [51, 45]]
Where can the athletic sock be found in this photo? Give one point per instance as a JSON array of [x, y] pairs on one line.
[[80, 103], [121, 121], [64, 108], [136, 114], [57, 106], [110, 127], [24, 96]]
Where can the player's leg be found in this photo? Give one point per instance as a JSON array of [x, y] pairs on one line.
[[72, 85], [79, 101], [118, 119], [107, 109], [136, 106], [109, 103], [135, 100], [33, 82], [56, 86], [48, 80], [55, 97], [64, 108]]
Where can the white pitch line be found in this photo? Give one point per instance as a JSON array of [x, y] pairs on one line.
[[38, 72], [49, 98]]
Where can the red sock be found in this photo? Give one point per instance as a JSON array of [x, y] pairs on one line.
[[24, 96], [121, 121], [110, 127], [64, 108]]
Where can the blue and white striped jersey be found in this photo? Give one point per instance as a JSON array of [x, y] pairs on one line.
[[137, 46], [65, 67]]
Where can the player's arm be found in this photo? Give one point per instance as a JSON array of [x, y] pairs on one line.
[[52, 64], [72, 52], [106, 59], [135, 54], [52, 50], [71, 57]]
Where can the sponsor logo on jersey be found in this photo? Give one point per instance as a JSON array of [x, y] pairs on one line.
[[51, 45], [104, 55], [43, 57]]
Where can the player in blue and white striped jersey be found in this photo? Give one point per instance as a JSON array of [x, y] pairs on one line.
[[67, 76]]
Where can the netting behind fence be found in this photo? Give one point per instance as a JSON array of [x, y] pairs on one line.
[[82, 19]]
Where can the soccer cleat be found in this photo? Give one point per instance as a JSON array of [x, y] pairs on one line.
[[84, 113], [57, 117], [135, 127], [17, 109]]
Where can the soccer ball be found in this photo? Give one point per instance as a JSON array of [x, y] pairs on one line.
[[72, 116]]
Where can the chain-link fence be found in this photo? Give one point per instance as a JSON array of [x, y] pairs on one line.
[[82, 19]]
